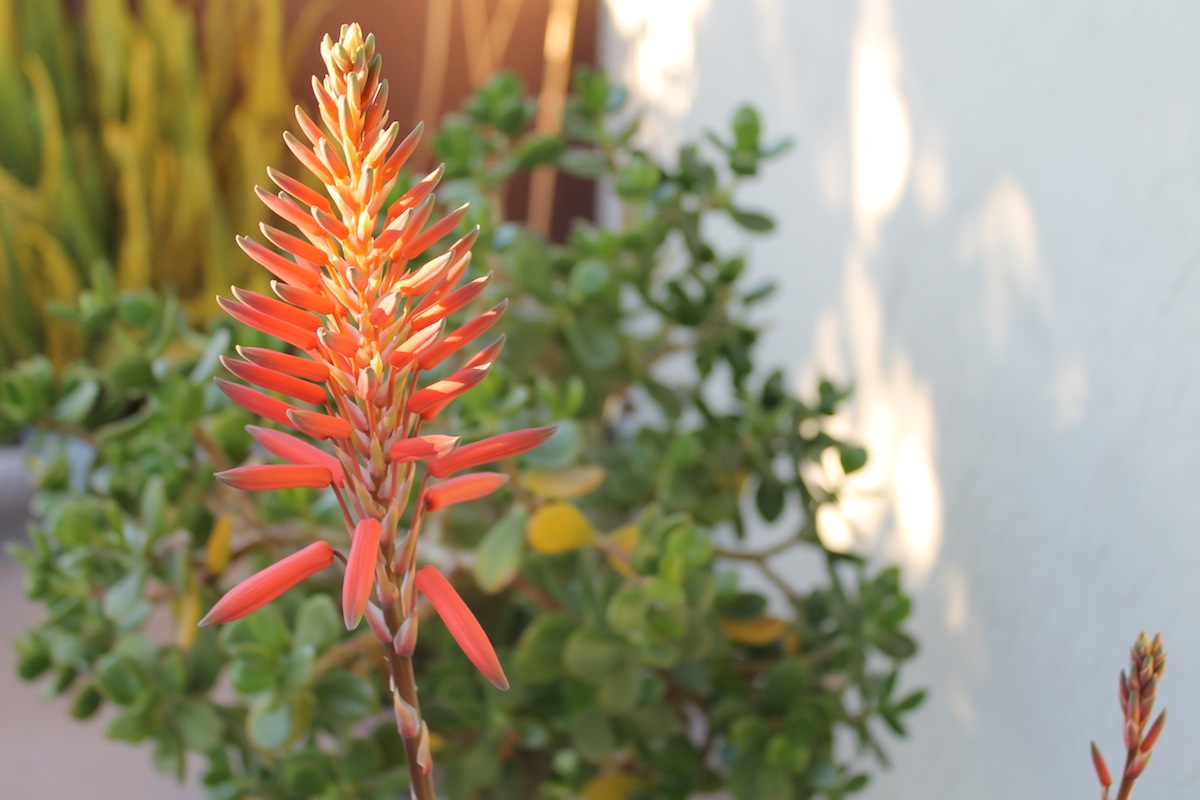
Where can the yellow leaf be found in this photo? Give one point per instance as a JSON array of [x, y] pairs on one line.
[[757, 632], [623, 540], [216, 552], [562, 484], [187, 616], [614, 786], [559, 528]]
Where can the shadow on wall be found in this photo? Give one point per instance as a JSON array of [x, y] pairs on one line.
[[886, 170]]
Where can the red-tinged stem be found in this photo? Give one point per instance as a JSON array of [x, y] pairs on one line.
[[406, 685], [1126, 781], [350, 523]]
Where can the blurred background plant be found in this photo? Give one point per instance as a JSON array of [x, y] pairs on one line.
[[130, 138], [646, 659]]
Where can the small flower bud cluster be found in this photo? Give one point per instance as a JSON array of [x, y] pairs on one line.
[[1137, 693]]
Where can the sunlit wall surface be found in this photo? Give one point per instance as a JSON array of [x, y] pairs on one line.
[[990, 221]]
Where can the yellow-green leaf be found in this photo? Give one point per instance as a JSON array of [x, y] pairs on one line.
[[563, 484], [559, 528], [756, 632], [217, 551], [614, 786], [620, 544], [498, 556], [187, 615]]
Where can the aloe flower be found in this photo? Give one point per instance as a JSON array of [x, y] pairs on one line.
[[368, 324], [1147, 661]]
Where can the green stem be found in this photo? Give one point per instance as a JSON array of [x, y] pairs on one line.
[[406, 687]]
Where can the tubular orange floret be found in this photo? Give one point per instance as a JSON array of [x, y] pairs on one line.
[[418, 192], [402, 151], [462, 624], [297, 366], [423, 448], [275, 381], [256, 402], [433, 355], [486, 451], [462, 489], [1101, 767], [448, 304], [308, 158], [304, 298], [297, 451], [294, 245], [360, 571], [286, 312], [427, 275], [297, 337], [263, 587], [487, 355], [429, 402], [298, 190], [1152, 734], [300, 273], [290, 210], [318, 425], [434, 232], [267, 477], [409, 349]]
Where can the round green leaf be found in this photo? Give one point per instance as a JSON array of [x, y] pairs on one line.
[[318, 623], [589, 654], [271, 722], [118, 679], [498, 556], [199, 725]]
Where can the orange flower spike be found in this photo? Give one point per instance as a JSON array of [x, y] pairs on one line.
[[360, 571], [461, 489], [462, 624], [488, 450], [265, 477], [263, 587]]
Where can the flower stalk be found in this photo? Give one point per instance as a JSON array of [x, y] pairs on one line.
[[368, 323], [1137, 693]]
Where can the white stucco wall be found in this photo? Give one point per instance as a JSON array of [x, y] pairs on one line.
[[991, 222]]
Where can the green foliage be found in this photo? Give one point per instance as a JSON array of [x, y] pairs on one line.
[[641, 665], [131, 137]]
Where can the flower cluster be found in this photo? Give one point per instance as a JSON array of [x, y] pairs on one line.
[[1138, 689], [367, 323]]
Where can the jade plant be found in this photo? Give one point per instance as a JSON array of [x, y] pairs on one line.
[[617, 583]]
